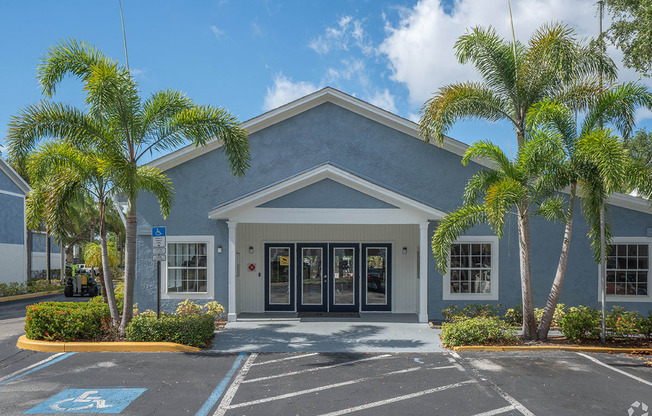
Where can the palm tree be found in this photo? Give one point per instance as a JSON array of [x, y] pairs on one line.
[[491, 195], [123, 128], [93, 256], [62, 174], [554, 65], [616, 106]]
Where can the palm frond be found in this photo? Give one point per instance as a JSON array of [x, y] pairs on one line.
[[484, 149], [479, 183], [499, 200], [553, 209], [153, 180], [451, 227]]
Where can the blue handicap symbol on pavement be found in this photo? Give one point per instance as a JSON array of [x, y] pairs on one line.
[[88, 401], [158, 231]]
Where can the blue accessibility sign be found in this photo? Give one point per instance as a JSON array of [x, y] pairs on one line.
[[158, 231], [88, 401]]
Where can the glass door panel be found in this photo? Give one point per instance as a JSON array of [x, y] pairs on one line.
[[377, 277], [311, 276], [279, 286], [344, 276]]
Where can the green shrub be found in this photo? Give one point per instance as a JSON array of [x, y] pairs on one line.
[[580, 323], [481, 330], [454, 313], [514, 316], [644, 326], [12, 289], [119, 292], [560, 310], [66, 321], [196, 330], [42, 285], [622, 323]]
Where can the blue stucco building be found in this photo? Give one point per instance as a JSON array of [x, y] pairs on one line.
[[336, 214]]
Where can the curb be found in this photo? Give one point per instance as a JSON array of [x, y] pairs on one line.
[[553, 348], [47, 346], [30, 295]]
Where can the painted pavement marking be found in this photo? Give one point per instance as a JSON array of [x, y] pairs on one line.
[[88, 401], [35, 367], [219, 389], [398, 399], [618, 370], [310, 370], [496, 411], [230, 393], [294, 357]]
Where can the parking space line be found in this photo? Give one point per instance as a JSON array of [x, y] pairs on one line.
[[496, 411], [294, 357], [398, 399], [230, 393], [310, 370], [618, 370], [321, 388], [215, 395], [55, 358]]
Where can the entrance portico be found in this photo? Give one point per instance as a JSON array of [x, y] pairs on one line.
[[327, 240]]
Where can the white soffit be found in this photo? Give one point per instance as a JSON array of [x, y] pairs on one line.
[[246, 209]]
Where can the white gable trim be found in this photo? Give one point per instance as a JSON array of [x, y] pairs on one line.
[[14, 176], [246, 209]]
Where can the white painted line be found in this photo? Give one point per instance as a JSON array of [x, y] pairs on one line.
[[318, 389], [618, 370], [496, 411], [15, 373], [295, 357], [456, 355], [398, 399], [310, 370], [230, 393]]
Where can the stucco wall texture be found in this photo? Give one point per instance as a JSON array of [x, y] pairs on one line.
[[331, 134]]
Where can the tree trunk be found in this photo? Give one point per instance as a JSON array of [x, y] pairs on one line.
[[107, 276], [529, 322], [555, 291], [62, 262], [130, 264], [48, 253], [28, 245], [121, 249], [603, 277]]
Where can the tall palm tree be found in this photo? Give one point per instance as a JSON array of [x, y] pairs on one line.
[[63, 174], [554, 64], [492, 195], [123, 128], [617, 107], [93, 257]]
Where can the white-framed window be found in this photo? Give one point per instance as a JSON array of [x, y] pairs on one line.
[[189, 269], [473, 269], [628, 270]]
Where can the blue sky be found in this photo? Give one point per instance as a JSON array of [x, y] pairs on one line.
[[252, 55]]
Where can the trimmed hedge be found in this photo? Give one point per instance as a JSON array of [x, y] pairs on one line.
[[196, 330], [481, 330], [580, 323], [66, 321]]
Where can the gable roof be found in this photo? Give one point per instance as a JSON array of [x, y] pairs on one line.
[[291, 109], [14, 176]]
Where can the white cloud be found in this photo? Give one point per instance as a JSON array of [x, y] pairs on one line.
[[351, 69], [642, 114], [420, 47], [285, 90], [217, 31], [347, 32], [383, 99], [256, 29]]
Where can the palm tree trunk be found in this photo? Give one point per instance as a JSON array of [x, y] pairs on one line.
[[107, 276], [130, 264], [555, 291], [48, 252], [62, 262], [28, 246], [529, 322], [603, 276]]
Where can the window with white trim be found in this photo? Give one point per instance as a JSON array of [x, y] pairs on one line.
[[189, 267], [473, 269], [627, 269]]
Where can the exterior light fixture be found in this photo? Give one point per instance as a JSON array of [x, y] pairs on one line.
[[404, 250], [251, 250], [219, 249]]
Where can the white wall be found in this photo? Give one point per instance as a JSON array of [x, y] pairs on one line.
[[250, 286], [38, 261], [12, 263]]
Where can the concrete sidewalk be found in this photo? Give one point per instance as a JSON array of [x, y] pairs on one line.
[[331, 335]]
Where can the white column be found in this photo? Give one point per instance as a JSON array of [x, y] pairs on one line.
[[232, 294], [424, 249]]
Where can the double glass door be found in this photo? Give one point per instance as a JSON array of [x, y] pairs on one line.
[[327, 277]]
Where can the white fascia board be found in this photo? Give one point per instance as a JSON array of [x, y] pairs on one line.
[[325, 216], [14, 176], [250, 202]]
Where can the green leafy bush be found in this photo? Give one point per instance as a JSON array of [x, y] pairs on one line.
[[481, 330], [560, 310], [196, 330], [644, 326], [42, 285], [454, 313], [119, 292], [12, 289], [514, 316], [66, 321], [580, 323], [622, 323]]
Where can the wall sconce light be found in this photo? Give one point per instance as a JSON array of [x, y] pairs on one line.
[[404, 250], [219, 249], [251, 250]]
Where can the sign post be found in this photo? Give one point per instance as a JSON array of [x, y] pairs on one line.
[[158, 255]]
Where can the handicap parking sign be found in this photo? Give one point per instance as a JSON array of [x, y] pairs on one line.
[[88, 401]]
